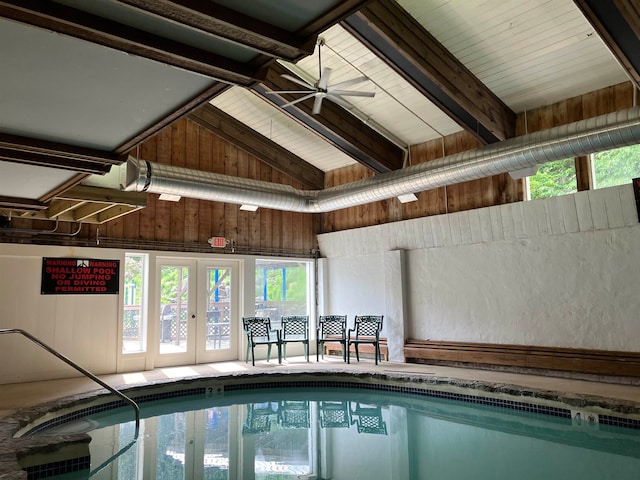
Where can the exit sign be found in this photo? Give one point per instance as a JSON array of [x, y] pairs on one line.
[[218, 242]]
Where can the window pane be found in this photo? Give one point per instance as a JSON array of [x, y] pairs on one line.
[[616, 167], [134, 317], [281, 288], [554, 179]]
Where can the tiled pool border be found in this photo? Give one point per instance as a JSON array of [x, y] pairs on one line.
[[178, 392]]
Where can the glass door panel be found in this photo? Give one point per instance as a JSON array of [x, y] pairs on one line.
[[218, 308], [177, 313], [217, 298]]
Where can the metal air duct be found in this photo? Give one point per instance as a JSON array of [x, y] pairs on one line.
[[593, 135]]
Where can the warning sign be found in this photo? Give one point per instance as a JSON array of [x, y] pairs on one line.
[[79, 276]]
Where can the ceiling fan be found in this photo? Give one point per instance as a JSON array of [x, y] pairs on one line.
[[321, 88]]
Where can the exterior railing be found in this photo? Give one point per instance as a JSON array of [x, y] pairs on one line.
[[80, 369]]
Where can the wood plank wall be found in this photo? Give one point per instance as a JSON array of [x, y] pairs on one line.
[[192, 221], [189, 223], [496, 190], [485, 192]]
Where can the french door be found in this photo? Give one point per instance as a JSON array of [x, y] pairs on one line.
[[198, 311]]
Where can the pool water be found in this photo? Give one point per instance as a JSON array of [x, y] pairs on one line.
[[329, 433]]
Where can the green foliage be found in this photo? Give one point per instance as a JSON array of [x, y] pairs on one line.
[[133, 274], [616, 167], [553, 179], [296, 281], [170, 286]]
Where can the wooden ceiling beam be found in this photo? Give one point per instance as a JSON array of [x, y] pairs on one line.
[[114, 212], [82, 213], [618, 25], [398, 39], [69, 21], [230, 25], [58, 207], [21, 203], [265, 150], [14, 148], [84, 193], [335, 125]]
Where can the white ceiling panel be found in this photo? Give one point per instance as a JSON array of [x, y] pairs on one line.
[[277, 126], [397, 106], [30, 181], [528, 52]]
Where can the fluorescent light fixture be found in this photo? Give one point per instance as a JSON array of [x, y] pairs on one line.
[[407, 197], [168, 197], [524, 172], [249, 208]]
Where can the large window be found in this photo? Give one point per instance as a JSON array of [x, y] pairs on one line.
[[553, 179], [282, 288], [134, 328], [616, 167]]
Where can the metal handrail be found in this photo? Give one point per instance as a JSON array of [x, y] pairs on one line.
[[80, 369]]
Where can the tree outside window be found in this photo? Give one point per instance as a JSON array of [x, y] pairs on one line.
[[554, 179], [616, 167]]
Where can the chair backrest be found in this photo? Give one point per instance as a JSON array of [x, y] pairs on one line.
[[368, 325], [332, 325], [257, 326], [369, 419], [297, 325]]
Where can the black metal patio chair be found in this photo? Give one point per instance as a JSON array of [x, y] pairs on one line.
[[366, 330], [295, 328], [259, 332], [331, 328]]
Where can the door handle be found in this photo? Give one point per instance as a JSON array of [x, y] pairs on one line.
[[193, 315]]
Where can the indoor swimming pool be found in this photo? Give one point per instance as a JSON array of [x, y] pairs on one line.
[[340, 430]]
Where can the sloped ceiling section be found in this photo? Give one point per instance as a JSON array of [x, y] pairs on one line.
[[85, 82], [72, 101], [618, 24]]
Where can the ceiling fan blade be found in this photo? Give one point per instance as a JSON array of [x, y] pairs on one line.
[[352, 93], [324, 78], [348, 83], [317, 104], [298, 81], [335, 99], [276, 92], [301, 99]]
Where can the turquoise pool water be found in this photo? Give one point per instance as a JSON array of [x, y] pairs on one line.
[[334, 433]]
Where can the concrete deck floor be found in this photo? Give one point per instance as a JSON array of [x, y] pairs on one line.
[[14, 397]]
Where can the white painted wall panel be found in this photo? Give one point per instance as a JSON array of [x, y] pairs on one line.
[[564, 279], [81, 327]]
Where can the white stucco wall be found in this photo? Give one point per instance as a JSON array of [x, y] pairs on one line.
[[557, 272], [355, 286]]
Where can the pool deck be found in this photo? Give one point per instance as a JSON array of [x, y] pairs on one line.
[[16, 400]]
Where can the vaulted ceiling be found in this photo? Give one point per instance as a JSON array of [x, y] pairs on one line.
[[85, 82]]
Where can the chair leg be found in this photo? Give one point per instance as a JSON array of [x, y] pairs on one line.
[[253, 356], [306, 350], [280, 353], [246, 356], [348, 353], [357, 353], [375, 353], [318, 351]]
